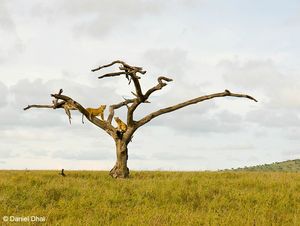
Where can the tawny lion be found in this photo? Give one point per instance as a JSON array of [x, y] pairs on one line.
[[122, 127], [93, 112]]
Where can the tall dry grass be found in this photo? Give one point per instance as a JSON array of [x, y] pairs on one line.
[[153, 198]]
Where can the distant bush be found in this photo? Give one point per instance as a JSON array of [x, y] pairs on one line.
[[286, 166]]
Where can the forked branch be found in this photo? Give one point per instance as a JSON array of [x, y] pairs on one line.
[[129, 71], [113, 107], [144, 98]]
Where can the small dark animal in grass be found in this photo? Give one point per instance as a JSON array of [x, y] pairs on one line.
[[62, 173]]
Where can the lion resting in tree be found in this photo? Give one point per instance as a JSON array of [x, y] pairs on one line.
[[122, 127], [93, 112]]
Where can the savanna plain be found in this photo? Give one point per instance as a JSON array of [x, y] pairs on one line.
[[152, 198]]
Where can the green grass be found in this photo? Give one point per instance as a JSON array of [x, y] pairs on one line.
[[152, 198], [286, 166]]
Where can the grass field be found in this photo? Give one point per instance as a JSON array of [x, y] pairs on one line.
[[152, 198]]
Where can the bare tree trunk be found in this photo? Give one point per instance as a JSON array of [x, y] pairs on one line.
[[120, 170]]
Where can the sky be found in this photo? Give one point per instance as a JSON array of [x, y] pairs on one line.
[[245, 46]]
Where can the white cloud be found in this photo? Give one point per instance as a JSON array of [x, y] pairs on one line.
[[3, 95], [26, 92], [6, 153], [274, 118], [168, 61], [11, 44], [253, 74], [38, 92], [281, 89], [6, 21], [293, 133], [92, 154], [203, 121], [97, 18], [175, 156]]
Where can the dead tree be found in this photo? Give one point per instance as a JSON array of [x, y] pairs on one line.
[[132, 73]]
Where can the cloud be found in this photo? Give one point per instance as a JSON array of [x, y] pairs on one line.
[[26, 92], [278, 100], [76, 141], [11, 44], [274, 118], [293, 153], [131, 8], [264, 76], [3, 94], [175, 64], [22, 94], [6, 153], [87, 154], [97, 18], [191, 119], [252, 73], [292, 133], [6, 21], [186, 122], [174, 156], [134, 156], [38, 92], [237, 146], [168, 61]]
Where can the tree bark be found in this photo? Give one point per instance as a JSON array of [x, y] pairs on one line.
[[120, 170]]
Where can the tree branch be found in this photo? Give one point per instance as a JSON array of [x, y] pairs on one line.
[[128, 71], [155, 114], [108, 65], [159, 86], [102, 124], [55, 104], [38, 106], [113, 107], [114, 74], [69, 104], [143, 99], [125, 67], [55, 101]]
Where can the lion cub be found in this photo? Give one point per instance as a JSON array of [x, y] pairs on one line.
[[93, 112]]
